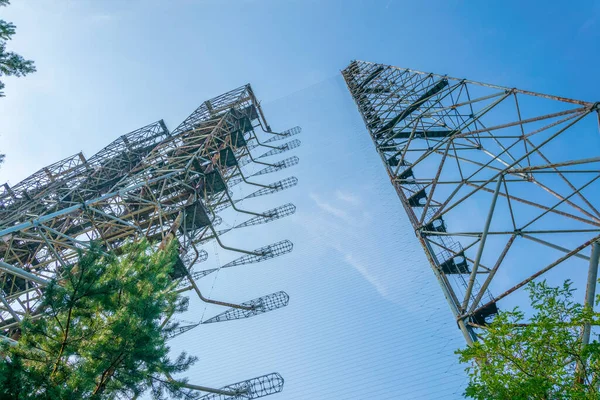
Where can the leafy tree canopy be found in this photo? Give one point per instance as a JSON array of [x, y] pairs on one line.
[[11, 64], [541, 357], [102, 335]]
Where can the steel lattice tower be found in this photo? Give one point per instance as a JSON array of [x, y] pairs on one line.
[[500, 184], [149, 183]]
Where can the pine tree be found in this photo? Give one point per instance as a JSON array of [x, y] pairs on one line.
[[101, 336]]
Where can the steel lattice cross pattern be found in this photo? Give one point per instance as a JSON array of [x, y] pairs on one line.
[[501, 185], [155, 184]]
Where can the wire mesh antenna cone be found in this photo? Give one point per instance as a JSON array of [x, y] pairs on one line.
[[493, 180], [149, 183]]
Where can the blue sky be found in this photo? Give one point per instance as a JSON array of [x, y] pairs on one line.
[[366, 318], [106, 65]]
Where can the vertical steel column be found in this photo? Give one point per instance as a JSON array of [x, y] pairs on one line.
[[484, 235], [590, 290], [400, 106]]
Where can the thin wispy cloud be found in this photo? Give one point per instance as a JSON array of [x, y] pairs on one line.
[[338, 223], [347, 197], [360, 268], [328, 208]]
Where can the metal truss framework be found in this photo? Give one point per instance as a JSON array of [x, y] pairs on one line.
[[148, 183], [501, 185]]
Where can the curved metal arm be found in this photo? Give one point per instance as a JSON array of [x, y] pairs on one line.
[[262, 144], [205, 299], [248, 182], [259, 162], [243, 211]]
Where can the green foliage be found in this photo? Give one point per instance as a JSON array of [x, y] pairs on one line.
[[101, 337], [11, 64], [537, 358]]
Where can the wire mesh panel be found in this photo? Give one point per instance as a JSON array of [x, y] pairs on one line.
[[263, 253], [285, 134], [250, 389], [270, 215], [275, 187], [257, 306], [148, 183], [281, 149], [278, 166]]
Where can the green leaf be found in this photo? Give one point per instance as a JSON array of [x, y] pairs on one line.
[[537, 358]]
